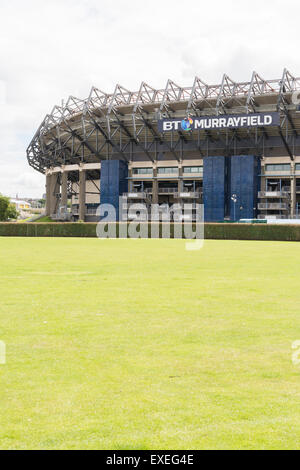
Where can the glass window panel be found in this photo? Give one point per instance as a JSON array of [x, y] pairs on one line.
[[192, 169], [167, 170], [142, 171], [278, 167]]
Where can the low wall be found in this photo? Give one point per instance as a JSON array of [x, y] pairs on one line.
[[212, 231]]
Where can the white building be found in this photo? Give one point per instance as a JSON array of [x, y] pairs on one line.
[[20, 204]]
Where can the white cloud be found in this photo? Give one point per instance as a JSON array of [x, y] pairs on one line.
[[54, 48]]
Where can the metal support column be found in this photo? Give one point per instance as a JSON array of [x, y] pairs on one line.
[[130, 182], [155, 187], [293, 191], [53, 190], [48, 195], [263, 179], [180, 180], [82, 194], [263, 183], [64, 189]]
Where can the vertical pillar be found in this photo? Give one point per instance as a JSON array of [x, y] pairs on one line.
[[64, 189], [130, 183], [155, 187], [82, 194], [48, 195], [263, 179], [293, 191], [53, 190], [180, 180]]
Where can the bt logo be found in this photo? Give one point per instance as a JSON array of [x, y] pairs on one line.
[[186, 124]]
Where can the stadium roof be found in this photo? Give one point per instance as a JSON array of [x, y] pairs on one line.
[[124, 123]]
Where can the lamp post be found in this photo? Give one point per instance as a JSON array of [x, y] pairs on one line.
[[234, 199]]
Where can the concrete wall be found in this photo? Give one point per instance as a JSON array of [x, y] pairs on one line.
[[90, 188]]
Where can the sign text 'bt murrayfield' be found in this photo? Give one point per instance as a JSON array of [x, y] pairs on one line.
[[232, 121]]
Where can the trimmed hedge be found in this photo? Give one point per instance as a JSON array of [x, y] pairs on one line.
[[268, 232], [48, 230], [212, 231]]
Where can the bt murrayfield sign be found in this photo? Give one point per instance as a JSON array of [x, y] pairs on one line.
[[232, 121]]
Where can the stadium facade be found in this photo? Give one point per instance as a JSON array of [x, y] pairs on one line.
[[233, 146]]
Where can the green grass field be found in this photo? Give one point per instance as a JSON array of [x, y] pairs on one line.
[[140, 344]]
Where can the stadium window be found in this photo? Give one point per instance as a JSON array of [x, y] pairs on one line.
[[192, 169], [167, 170], [279, 167], [297, 167], [142, 171]]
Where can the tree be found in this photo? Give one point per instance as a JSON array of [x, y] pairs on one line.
[[12, 212], [7, 210]]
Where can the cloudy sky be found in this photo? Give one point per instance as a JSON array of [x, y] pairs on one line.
[[51, 49]]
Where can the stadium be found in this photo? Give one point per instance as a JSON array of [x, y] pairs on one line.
[[235, 147]]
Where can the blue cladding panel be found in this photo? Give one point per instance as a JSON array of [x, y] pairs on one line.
[[214, 173], [113, 183], [245, 184]]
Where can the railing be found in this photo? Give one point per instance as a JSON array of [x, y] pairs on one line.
[[135, 195], [270, 194], [87, 211], [167, 190], [278, 173], [172, 191], [289, 189], [189, 195], [273, 206], [66, 216], [91, 212], [273, 217]]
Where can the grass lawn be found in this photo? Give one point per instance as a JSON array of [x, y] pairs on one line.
[[45, 219], [139, 344]]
